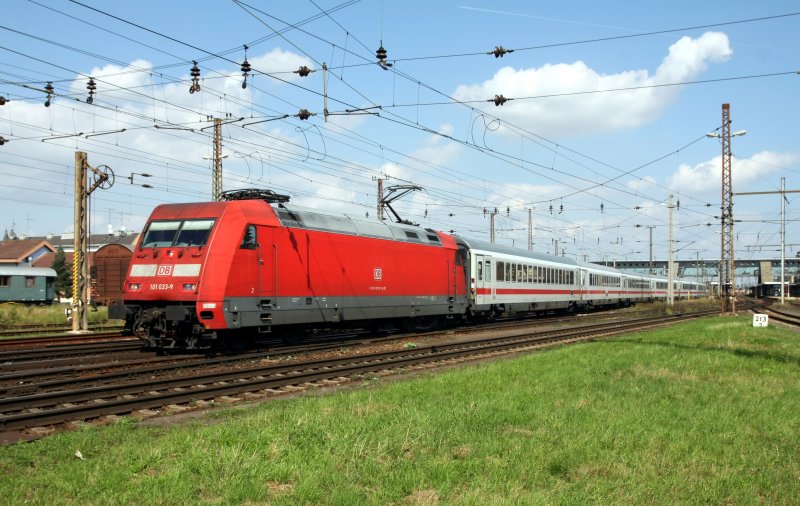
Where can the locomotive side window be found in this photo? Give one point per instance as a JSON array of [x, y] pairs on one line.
[[249, 241], [461, 256]]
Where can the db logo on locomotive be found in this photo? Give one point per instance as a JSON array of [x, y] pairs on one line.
[[164, 270]]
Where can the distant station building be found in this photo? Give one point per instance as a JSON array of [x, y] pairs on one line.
[[108, 258]]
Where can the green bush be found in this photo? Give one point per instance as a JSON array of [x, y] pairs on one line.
[[20, 314]]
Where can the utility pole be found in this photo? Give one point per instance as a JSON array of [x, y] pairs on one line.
[[380, 198], [783, 238], [530, 229], [670, 269], [727, 274], [80, 270], [216, 178]]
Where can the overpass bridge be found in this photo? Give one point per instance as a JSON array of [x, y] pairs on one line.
[[747, 272]]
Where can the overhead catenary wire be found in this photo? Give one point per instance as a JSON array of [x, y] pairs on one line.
[[433, 130]]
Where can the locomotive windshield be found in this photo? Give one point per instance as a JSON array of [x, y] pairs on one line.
[[162, 234]]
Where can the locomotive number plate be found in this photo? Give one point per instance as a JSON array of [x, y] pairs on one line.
[[161, 286]]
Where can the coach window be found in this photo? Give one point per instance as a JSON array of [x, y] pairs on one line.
[[30, 282], [480, 271], [249, 240], [488, 270], [499, 274], [4, 280]]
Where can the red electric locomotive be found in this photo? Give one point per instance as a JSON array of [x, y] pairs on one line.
[[217, 273]]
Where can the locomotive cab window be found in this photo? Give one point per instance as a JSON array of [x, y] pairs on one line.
[[162, 234], [194, 232], [249, 241]]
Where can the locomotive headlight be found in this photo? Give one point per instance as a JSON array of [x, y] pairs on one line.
[[189, 287], [134, 287]]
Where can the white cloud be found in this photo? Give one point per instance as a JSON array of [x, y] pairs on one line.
[[707, 176], [641, 184], [595, 112], [442, 155], [285, 62]]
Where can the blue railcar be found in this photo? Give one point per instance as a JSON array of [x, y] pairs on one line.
[[27, 284]]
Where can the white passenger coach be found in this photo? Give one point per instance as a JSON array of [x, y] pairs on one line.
[[510, 280]]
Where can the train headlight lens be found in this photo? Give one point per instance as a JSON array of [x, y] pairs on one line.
[[189, 287], [134, 287]]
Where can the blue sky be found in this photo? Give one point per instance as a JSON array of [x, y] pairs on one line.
[[606, 119]]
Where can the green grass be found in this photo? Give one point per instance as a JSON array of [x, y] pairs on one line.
[[704, 412], [27, 314]]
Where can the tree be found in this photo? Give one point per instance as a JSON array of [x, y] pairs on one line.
[[63, 272]]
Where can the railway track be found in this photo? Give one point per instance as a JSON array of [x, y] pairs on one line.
[[24, 330], [30, 367], [59, 339], [248, 378], [80, 348], [786, 315]]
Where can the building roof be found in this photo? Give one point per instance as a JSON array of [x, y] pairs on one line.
[[8, 270], [17, 251], [95, 241], [46, 260]]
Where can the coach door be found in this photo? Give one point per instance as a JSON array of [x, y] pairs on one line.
[[483, 278], [267, 263], [582, 291]]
